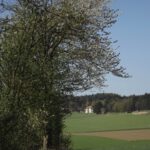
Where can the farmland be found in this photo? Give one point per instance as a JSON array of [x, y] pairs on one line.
[[109, 132]]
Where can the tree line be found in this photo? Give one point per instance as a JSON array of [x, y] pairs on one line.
[[103, 103]]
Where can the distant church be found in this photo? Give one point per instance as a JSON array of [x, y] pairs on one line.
[[89, 110]]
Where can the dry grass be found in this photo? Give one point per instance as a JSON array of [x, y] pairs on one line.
[[129, 135], [140, 112]]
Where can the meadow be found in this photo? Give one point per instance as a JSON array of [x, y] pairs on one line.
[[81, 126]]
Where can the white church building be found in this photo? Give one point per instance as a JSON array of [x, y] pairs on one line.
[[89, 110]]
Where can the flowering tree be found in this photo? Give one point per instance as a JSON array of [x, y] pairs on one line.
[[49, 49]]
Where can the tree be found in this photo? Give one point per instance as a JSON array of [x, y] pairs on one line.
[[49, 49], [97, 108]]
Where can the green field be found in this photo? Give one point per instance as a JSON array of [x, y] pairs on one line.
[[78, 123], [91, 122], [97, 143]]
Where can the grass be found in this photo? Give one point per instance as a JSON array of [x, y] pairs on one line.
[[91, 122], [97, 143]]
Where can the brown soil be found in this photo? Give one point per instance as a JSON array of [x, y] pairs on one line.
[[129, 135]]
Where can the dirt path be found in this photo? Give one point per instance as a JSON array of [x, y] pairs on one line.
[[129, 135]]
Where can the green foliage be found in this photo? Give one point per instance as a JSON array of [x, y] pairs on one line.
[[97, 108], [67, 142], [112, 102]]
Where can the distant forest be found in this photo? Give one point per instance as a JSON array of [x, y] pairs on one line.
[[110, 103]]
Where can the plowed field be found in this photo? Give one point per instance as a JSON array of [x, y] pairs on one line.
[[129, 135]]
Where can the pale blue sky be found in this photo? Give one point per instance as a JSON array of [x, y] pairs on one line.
[[132, 31]]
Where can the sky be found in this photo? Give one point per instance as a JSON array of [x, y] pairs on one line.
[[132, 31]]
